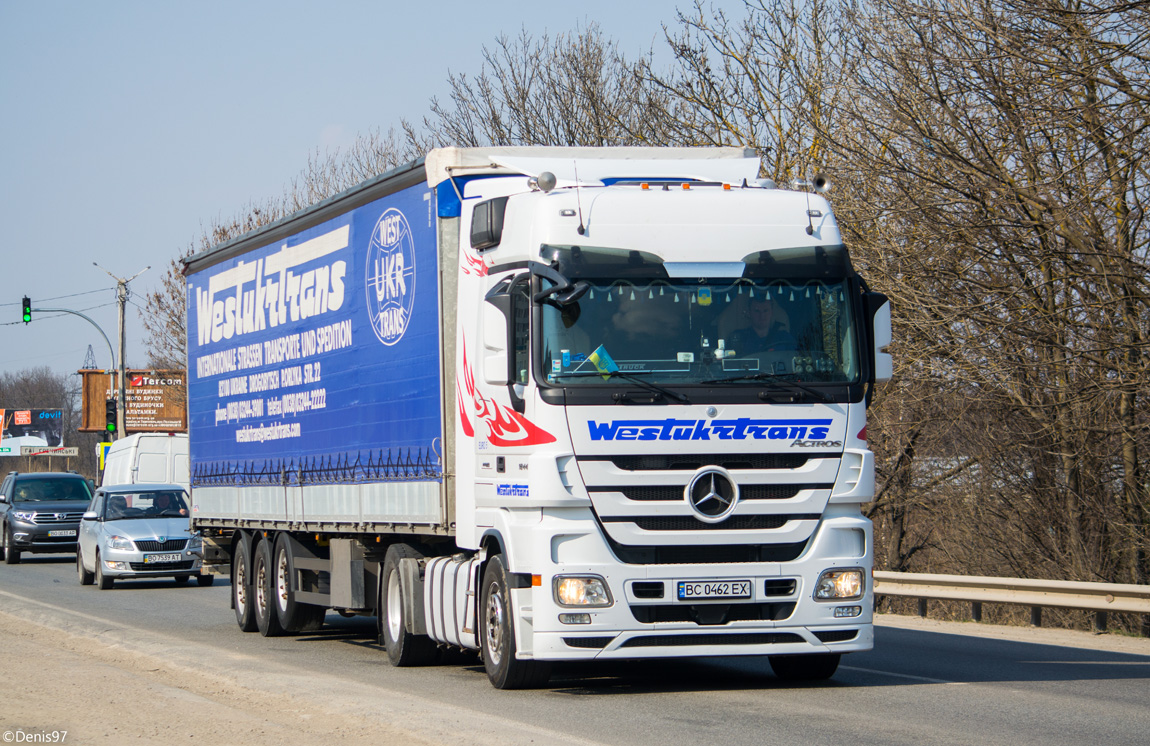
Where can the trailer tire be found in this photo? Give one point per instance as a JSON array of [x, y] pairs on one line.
[[294, 617], [403, 648], [242, 584], [86, 578], [807, 667], [497, 635], [263, 587]]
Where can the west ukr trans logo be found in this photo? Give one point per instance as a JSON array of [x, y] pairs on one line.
[[390, 277]]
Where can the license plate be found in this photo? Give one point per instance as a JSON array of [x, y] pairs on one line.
[[150, 558], [62, 532], [708, 590]]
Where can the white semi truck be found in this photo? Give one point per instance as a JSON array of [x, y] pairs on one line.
[[550, 404]]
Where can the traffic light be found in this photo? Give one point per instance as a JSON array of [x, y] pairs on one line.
[[27, 309], [110, 416]]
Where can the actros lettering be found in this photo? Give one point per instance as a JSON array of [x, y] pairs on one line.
[[743, 428]]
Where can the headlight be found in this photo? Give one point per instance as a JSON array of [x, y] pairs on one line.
[[581, 590], [28, 516], [840, 584], [120, 542], [195, 544]]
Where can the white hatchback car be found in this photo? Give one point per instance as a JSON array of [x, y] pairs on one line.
[[138, 531]]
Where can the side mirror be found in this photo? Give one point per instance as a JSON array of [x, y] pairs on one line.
[[878, 309], [487, 223], [90, 515]]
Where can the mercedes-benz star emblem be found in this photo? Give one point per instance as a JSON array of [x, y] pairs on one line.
[[712, 494]]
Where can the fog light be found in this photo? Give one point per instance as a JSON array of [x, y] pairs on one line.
[[575, 618], [847, 611], [581, 590], [840, 584]]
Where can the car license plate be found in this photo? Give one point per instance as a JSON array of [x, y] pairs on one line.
[[151, 558], [709, 590], [62, 532]]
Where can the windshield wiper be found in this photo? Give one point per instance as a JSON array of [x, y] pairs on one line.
[[774, 379], [634, 378]]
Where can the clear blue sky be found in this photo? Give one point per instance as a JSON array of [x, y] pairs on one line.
[[129, 126]]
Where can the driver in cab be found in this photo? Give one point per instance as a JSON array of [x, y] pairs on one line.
[[767, 332], [166, 503]]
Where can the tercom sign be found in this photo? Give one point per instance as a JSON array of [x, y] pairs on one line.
[[156, 400]]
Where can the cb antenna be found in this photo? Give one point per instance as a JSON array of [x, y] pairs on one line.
[[578, 202]]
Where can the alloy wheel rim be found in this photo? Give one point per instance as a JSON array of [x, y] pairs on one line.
[[494, 627], [394, 606]]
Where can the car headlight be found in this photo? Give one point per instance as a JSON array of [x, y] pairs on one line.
[[195, 544], [28, 516], [581, 590], [120, 542], [840, 584]]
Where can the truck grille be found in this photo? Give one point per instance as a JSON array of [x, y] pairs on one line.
[[171, 545], [746, 492], [719, 554], [690, 523]]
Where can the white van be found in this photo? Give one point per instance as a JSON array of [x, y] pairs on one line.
[[156, 458]]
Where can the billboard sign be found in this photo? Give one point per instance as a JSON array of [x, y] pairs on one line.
[[30, 427]]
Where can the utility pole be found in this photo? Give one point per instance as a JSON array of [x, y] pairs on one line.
[[122, 300]]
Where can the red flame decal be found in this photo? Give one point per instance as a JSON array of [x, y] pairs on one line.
[[473, 265], [505, 427]]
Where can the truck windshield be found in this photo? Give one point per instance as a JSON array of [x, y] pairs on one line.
[[731, 331]]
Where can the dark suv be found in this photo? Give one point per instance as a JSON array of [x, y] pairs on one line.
[[41, 512]]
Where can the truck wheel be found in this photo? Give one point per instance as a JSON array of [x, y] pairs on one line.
[[263, 591], [11, 553], [403, 647], [293, 616], [242, 584], [86, 577], [808, 667], [103, 582], [497, 635]]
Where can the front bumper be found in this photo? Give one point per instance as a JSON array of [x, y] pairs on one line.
[[122, 563], [646, 619], [44, 539]]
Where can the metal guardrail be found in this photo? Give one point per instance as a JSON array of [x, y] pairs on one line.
[[1037, 594]]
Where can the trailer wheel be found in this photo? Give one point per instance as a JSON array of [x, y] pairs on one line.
[[497, 635], [293, 616], [242, 584], [86, 578], [403, 648], [263, 590], [807, 667]]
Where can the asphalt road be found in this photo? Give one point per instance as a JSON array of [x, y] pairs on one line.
[[934, 684]]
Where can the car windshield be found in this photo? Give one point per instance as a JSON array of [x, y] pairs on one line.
[[46, 490], [715, 331], [158, 504]]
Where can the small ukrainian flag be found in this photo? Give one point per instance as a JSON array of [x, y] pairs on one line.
[[602, 361]]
